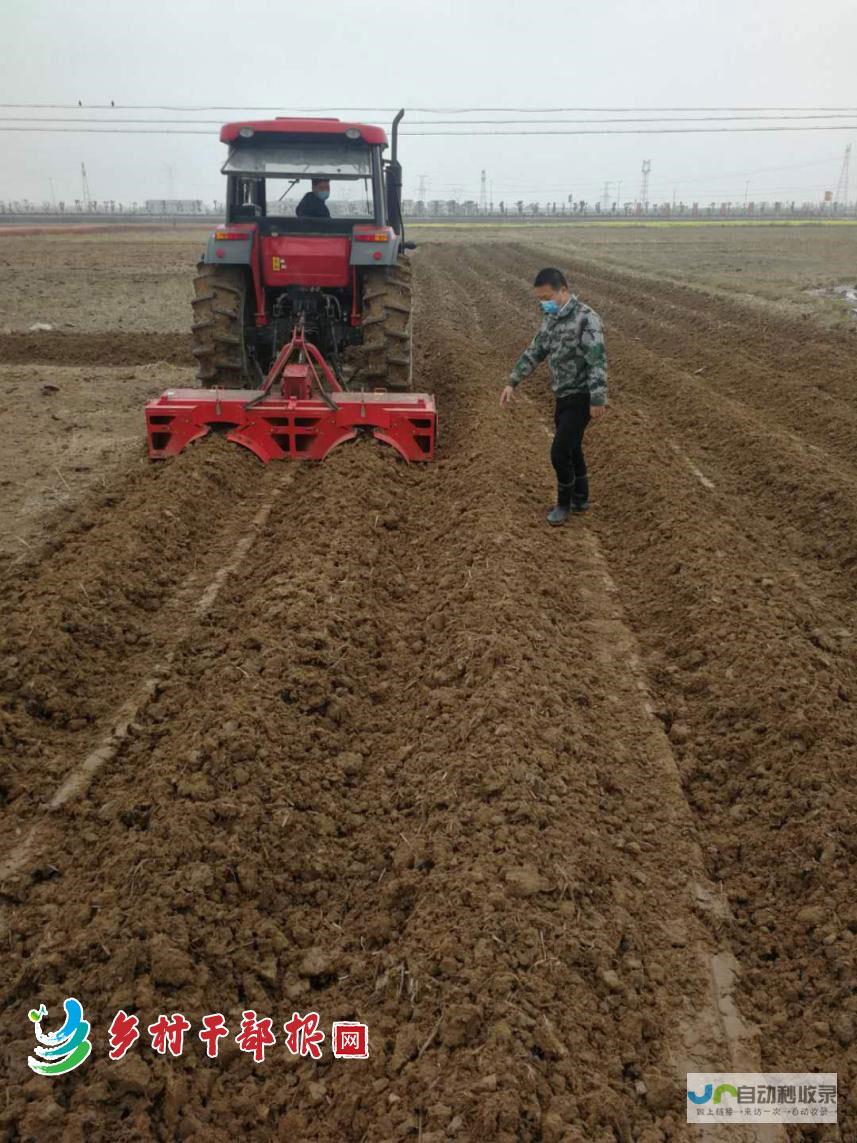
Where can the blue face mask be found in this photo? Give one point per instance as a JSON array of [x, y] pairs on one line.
[[323, 195], [550, 307]]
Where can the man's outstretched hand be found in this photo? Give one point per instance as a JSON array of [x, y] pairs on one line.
[[506, 396]]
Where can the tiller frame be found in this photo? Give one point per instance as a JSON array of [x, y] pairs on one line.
[[301, 412]]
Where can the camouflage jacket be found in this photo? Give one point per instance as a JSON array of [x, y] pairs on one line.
[[573, 343]]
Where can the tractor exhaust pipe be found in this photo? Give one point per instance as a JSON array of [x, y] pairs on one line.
[[394, 182], [394, 152]]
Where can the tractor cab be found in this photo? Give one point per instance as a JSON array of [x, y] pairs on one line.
[[268, 171], [318, 268], [271, 163]]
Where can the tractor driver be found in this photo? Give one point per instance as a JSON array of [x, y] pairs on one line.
[[314, 202]]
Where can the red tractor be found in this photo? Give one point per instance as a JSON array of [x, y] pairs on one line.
[[305, 307]]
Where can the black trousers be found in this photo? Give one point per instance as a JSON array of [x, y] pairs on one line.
[[571, 417]]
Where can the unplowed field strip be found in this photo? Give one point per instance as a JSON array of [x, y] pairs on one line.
[[90, 348], [520, 799]]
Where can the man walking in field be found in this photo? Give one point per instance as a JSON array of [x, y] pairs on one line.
[[572, 339]]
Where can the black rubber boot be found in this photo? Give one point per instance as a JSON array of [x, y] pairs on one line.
[[580, 494], [559, 514]]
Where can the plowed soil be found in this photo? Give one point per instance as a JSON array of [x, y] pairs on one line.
[[560, 814]]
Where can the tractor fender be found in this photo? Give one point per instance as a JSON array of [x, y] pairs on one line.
[[231, 251], [366, 253]]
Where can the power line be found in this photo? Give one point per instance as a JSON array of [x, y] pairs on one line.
[[590, 184], [463, 134], [594, 181], [104, 131], [442, 122], [592, 188], [655, 119], [637, 131], [422, 110], [679, 178], [112, 119], [755, 171]]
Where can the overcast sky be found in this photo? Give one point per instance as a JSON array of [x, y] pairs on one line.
[[433, 53]]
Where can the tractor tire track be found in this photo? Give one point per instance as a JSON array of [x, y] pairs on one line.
[[89, 613]]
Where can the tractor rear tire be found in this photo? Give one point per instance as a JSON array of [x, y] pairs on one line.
[[386, 357], [218, 326]]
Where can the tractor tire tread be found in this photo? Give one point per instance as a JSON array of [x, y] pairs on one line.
[[386, 355], [217, 331]]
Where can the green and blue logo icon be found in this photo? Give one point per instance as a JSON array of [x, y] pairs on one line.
[[64, 1050], [709, 1090]]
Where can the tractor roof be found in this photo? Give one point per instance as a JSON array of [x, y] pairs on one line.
[[284, 126]]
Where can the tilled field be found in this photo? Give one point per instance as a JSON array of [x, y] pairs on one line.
[[559, 814]]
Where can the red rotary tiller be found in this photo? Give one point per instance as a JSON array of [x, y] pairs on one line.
[[301, 412]]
